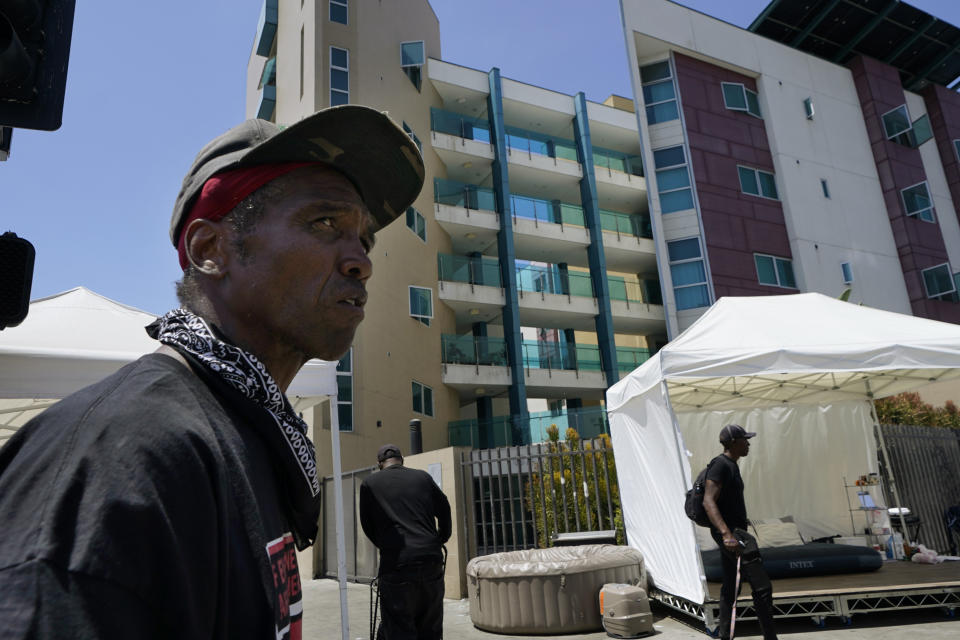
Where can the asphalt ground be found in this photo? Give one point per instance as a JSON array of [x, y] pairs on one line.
[[321, 621]]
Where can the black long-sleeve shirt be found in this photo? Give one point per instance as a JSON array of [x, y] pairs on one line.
[[405, 514]]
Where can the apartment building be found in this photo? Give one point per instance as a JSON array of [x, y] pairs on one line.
[[523, 281], [815, 151]]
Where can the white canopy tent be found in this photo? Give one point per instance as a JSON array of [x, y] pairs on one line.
[[800, 370], [73, 339]]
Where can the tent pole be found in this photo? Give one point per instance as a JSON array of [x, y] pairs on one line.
[[687, 483], [338, 511], [886, 461]]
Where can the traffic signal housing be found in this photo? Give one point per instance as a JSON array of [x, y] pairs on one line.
[[16, 279], [34, 51]]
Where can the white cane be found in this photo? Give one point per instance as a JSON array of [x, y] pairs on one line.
[[736, 592]]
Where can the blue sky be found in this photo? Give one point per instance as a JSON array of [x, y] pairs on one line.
[[150, 82]]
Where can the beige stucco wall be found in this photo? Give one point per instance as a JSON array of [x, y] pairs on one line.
[[459, 494]]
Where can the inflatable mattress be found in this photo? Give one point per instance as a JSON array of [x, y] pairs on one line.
[[795, 561], [547, 591]]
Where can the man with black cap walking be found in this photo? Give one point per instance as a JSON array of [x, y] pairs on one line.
[[407, 516], [169, 499], [723, 501]]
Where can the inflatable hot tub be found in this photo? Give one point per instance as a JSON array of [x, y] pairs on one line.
[[547, 591]]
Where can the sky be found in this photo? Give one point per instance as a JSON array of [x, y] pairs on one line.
[[149, 83]]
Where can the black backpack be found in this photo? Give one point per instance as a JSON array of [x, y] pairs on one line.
[[693, 505]]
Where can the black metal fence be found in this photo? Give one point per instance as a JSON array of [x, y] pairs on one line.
[[926, 467], [524, 495]]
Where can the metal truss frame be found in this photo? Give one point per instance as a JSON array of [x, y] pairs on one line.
[[818, 608]]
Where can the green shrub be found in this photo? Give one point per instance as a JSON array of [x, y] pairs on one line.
[[562, 480], [910, 409]]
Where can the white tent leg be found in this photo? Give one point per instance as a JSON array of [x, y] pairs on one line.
[[338, 512], [687, 484], [886, 462]]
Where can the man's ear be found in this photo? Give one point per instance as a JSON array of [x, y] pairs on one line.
[[207, 247]]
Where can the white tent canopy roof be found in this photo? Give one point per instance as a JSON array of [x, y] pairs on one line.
[[800, 348]]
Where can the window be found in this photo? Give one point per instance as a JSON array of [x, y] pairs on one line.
[[808, 108], [939, 282], [417, 223], [847, 270], [339, 76], [737, 97], [917, 202], [673, 179], [774, 271], [956, 147], [825, 187], [412, 59], [422, 399], [410, 133], [899, 129], [421, 304], [896, 122], [338, 11], [345, 391], [688, 274], [659, 96], [757, 183], [922, 130]]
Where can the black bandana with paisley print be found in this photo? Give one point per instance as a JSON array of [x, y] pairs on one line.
[[243, 372]]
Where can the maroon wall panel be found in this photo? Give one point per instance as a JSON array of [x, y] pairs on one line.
[[735, 225], [919, 244]]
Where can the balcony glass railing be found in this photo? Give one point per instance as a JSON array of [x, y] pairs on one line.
[[473, 128], [629, 358], [533, 142], [470, 196], [503, 431], [456, 124], [461, 194], [476, 350], [617, 161], [551, 279], [626, 288], [626, 224], [481, 271]]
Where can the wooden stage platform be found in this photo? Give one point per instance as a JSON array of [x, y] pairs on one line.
[[894, 586]]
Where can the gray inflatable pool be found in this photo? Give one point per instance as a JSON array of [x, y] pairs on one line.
[[541, 591]]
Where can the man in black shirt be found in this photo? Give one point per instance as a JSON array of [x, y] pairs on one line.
[[169, 499], [407, 516], [724, 504]]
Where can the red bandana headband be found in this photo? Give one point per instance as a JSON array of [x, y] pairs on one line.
[[224, 191]]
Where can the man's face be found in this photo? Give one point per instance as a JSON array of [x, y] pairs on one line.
[[300, 287], [739, 447]]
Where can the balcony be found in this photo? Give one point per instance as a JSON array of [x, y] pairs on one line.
[[267, 27], [552, 163], [501, 431], [547, 296], [551, 370], [544, 230]]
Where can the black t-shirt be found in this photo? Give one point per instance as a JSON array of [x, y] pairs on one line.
[[726, 473], [405, 514], [145, 506]]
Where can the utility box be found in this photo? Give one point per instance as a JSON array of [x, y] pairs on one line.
[[625, 611]]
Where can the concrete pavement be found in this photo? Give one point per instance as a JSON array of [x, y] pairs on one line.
[[321, 621]]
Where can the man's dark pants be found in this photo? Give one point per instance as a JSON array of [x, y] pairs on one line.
[[411, 602], [752, 571]]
